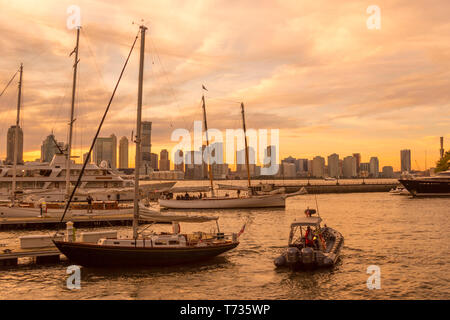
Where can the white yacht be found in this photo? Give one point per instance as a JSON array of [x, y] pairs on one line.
[[37, 180]]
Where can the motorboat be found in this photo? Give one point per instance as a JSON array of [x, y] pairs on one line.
[[310, 245]]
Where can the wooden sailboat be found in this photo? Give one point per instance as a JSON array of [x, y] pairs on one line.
[[152, 249], [252, 200]]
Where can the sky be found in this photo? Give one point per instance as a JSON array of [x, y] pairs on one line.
[[312, 69]]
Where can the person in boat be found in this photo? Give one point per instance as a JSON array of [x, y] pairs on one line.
[[186, 196], [200, 196], [309, 237], [89, 202], [238, 193]]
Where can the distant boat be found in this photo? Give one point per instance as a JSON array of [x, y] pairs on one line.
[[330, 179], [400, 190], [438, 185]]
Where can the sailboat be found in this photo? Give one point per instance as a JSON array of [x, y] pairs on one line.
[[38, 205], [274, 199], [151, 249]]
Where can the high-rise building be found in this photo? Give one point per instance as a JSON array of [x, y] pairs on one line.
[[333, 165], [357, 156], [146, 145], [318, 167], [374, 167], [123, 153], [405, 158], [85, 155], [349, 167], [153, 162], [288, 169], [49, 148], [241, 167], [388, 172], [364, 169], [10, 143], [105, 149], [178, 161], [164, 162]]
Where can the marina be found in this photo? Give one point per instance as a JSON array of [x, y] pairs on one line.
[[204, 155]]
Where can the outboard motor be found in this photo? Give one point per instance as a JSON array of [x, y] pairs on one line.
[[307, 256], [292, 256]]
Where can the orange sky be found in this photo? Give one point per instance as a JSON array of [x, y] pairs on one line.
[[309, 68]]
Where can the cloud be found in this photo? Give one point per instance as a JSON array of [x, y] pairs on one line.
[[312, 69]]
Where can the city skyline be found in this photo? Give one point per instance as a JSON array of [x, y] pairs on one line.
[[323, 95]]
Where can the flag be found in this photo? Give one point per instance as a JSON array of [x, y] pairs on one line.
[[204, 88], [242, 230]]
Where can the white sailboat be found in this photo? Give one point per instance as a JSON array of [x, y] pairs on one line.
[[251, 200]]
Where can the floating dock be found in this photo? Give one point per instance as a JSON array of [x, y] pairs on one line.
[[37, 223]]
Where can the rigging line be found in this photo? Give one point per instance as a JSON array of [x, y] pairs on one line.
[[172, 91], [88, 42], [98, 131], [9, 83]]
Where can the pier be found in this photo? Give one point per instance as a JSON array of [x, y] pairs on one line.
[[37, 223], [339, 188], [9, 257]]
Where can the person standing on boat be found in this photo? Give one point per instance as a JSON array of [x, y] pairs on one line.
[[238, 193], [89, 201], [309, 237]]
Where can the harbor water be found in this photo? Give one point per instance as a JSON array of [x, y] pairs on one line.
[[407, 238]]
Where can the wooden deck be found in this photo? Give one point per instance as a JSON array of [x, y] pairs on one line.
[[9, 256], [79, 221]]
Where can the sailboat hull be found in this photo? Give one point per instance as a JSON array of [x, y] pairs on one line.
[[93, 255], [271, 201]]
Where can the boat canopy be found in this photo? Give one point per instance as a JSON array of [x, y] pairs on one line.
[[156, 216], [306, 221]]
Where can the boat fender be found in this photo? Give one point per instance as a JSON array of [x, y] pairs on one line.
[[280, 261]]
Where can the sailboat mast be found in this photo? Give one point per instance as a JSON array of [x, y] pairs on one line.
[[69, 147], [246, 148], [138, 135], [207, 145], [16, 137]]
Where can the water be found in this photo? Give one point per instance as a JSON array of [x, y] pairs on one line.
[[407, 238]]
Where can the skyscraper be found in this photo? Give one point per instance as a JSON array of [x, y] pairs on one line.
[[153, 162], [178, 161], [318, 167], [333, 165], [105, 149], [164, 162], [374, 167], [357, 157], [146, 145], [49, 148], [349, 167], [10, 142], [123, 153], [405, 158]]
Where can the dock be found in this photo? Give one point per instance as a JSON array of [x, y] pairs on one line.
[[10, 256], [340, 188], [39, 223]]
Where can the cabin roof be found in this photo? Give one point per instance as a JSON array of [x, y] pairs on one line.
[[306, 221]]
